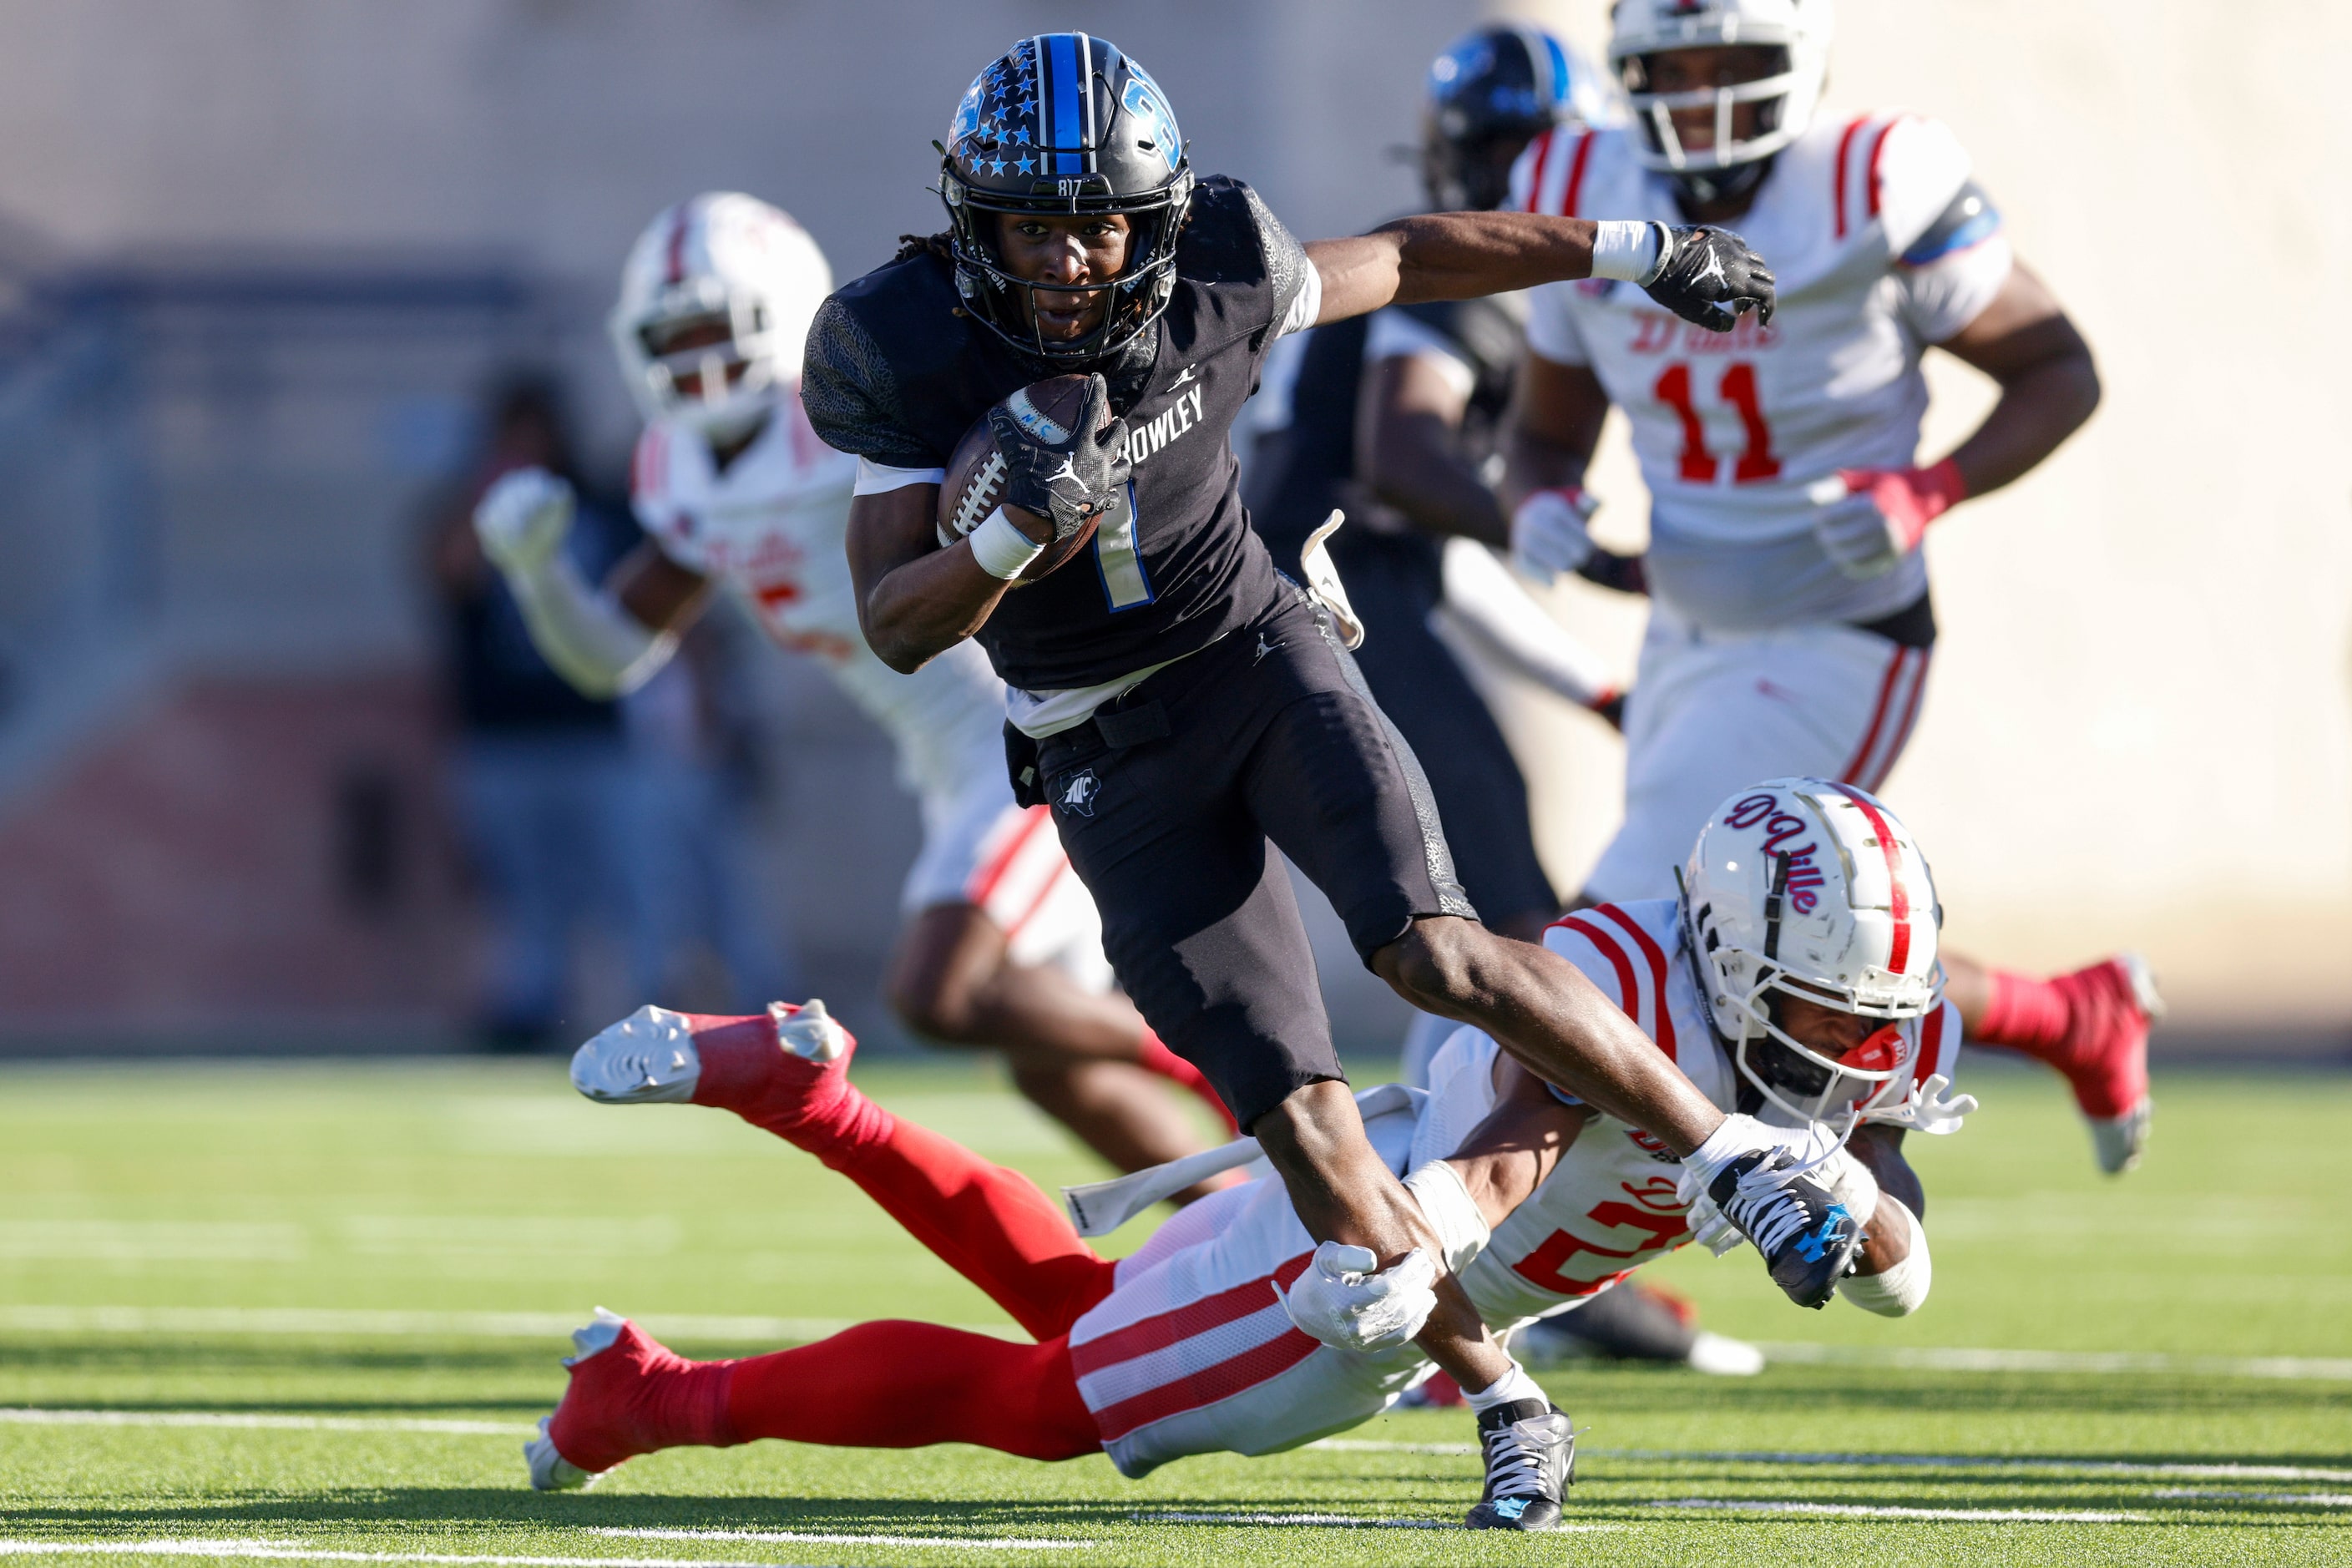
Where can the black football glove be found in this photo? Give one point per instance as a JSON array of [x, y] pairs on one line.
[[1710, 277], [1069, 480]]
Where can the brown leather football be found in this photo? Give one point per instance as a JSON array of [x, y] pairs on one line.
[[975, 483]]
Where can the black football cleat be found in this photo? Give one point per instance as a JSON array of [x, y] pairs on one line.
[[1530, 1452], [1808, 1237]]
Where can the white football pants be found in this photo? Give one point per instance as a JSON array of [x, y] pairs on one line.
[[1711, 714]]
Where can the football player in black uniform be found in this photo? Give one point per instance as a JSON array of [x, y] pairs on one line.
[[1180, 703], [1393, 418]]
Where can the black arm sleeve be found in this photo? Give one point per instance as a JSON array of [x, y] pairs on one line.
[[852, 394]]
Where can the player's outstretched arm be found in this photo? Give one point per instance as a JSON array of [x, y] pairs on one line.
[[605, 643], [915, 600], [1705, 275], [1892, 1272]]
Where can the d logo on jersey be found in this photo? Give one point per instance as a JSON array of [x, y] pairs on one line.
[[1078, 792]]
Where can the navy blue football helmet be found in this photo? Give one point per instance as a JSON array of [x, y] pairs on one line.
[[1490, 94], [1065, 124]]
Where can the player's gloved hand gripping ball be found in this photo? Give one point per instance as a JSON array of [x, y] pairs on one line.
[[522, 519], [1063, 471]]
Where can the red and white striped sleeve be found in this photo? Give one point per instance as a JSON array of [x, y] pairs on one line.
[[1618, 955]]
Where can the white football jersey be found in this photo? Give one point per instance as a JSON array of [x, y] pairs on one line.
[[1732, 430], [773, 528], [1609, 1206]]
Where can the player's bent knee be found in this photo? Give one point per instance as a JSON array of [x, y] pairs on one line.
[[935, 1006], [1434, 964]]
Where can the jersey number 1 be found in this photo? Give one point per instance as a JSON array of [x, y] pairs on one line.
[[1738, 388], [1118, 555]]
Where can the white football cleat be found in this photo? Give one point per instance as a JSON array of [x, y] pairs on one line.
[[550, 1471], [649, 1057], [646, 1058]]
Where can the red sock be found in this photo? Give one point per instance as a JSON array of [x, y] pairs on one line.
[[638, 1396], [2025, 1015], [1155, 1058], [989, 1225], [903, 1385]]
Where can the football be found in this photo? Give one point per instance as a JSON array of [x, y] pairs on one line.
[[975, 483]]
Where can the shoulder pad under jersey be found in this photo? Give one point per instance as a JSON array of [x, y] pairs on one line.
[[1970, 218]]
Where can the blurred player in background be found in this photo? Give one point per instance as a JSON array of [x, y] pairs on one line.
[[1827, 1012], [543, 775], [1001, 946], [1790, 625]]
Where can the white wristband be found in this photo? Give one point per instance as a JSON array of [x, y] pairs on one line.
[[1635, 252], [1000, 547], [1902, 1289], [1445, 1202]]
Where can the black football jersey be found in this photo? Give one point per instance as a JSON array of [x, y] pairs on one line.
[[897, 374]]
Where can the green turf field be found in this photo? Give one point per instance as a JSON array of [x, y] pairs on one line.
[[310, 1313]]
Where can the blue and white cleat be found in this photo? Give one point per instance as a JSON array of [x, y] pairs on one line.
[[1531, 1453], [1807, 1236], [649, 1057]]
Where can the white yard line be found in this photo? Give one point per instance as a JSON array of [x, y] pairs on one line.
[[2313, 1500], [996, 1543], [360, 1324], [1937, 1461], [1865, 1511], [295, 1552], [1930, 1358], [1331, 1521], [263, 1420]]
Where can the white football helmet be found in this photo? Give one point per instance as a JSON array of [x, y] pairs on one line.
[[1799, 28], [735, 262], [1813, 890]]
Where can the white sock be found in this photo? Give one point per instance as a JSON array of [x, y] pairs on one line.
[[1735, 1136], [1513, 1384]]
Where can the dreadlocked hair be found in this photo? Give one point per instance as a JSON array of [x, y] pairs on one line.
[[941, 245]]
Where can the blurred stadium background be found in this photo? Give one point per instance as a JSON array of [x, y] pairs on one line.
[[259, 261]]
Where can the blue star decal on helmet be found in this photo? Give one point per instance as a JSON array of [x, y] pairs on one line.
[[1025, 165], [997, 166]]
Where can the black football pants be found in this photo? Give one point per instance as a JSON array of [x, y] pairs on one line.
[[1267, 734]]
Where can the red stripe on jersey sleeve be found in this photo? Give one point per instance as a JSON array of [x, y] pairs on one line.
[[1536, 177], [1628, 995], [1576, 175], [1837, 174], [1877, 148], [1159, 1332], [1651, 951]]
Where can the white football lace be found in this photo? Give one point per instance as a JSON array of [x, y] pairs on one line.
[[1761, 1205], [1518, 1471]]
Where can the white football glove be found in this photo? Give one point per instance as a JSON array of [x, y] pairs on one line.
[[522, 520], [1342, 1302], [1548, 532], [1930, 1110]]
